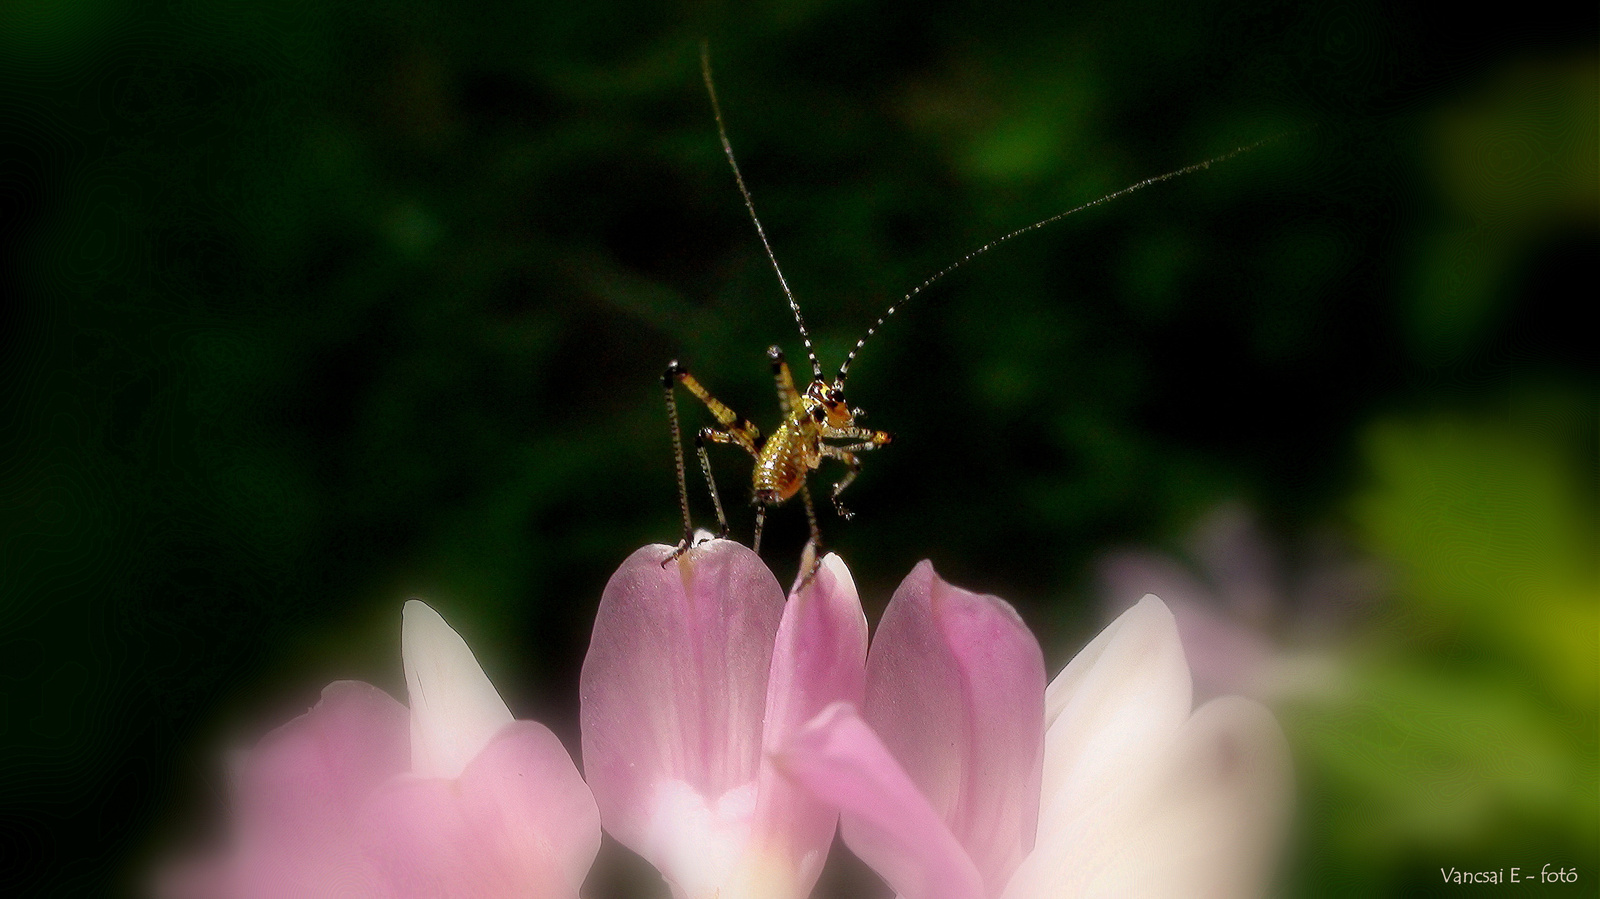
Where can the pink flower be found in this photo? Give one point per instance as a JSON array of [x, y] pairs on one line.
[[357, 799], [964, 778], [696, 672]]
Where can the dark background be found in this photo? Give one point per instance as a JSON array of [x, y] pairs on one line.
[[315, 307]]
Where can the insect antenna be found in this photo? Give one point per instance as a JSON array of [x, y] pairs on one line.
[[844, 369], [727, 149]]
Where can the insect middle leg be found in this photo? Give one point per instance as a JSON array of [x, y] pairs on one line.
[[738, 431], [811, 555]]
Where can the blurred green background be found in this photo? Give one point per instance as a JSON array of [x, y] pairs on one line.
[[316, 307]]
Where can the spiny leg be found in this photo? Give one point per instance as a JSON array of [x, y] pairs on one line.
[[715, 436], [847, 456], [667, 380], [869, 438], [811, 556], [739, 428], [740, 432], [788, 396], [761, 521]]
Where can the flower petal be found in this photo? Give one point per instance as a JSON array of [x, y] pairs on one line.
[[819, 658], [1224, 655], [1205, 818], [455, 710], [519, 821], [673, 691], [297, 797], [888, 821], [1112, 709], [321, 765], [1126, 577], [955, 688], [1230, 768]]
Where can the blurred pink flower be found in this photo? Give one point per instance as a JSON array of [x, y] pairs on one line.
[[1248, 624], [357, 799], [696, 672], [963, 777]]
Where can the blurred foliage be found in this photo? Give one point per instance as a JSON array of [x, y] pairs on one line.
[[1469, 721], [321, 306], [1488, 525]]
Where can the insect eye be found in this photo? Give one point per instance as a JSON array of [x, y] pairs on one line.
[[835, 396], [818, 414]]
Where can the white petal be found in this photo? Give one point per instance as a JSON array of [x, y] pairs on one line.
[[1120, 700], [455, 710], [1141, 798], [1225, 801]]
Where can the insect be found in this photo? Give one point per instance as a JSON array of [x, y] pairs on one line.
[[784, 459]]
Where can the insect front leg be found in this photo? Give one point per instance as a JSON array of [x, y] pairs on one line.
[[738, 431], [870, 440], [848, 457]]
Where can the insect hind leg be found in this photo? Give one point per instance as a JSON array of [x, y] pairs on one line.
[[788, 396], [668, 380], [713, 435], [739, 432]]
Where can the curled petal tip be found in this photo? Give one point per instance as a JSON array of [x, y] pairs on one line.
[[831, 574], [455, 710], [1151, 604]]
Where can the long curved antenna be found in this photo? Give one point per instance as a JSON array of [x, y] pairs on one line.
[[1186, 170], [727, 148]]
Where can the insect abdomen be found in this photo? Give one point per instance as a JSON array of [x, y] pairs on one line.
[[781, 466]]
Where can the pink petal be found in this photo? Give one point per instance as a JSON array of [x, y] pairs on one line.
[[673, 692], [519, 821], [297, 798], [819, 658], [888, 821], [955, 688], [315, 771]]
